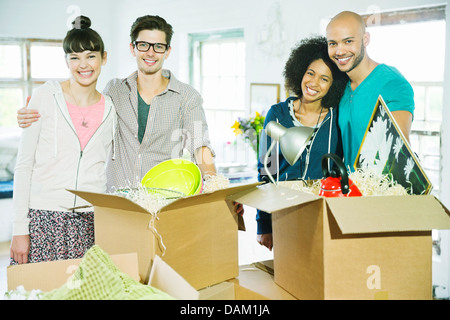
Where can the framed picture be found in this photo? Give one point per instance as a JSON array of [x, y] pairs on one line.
[[385, 149], [263, 96]]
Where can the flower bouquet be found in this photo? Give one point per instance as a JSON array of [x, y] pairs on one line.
[[250, 129]]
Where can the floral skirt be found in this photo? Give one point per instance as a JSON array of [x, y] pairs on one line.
[[59, 235]]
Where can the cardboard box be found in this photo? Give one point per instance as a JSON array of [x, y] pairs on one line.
[[251, 284], [196, 235], [50, 275], [351, 248]]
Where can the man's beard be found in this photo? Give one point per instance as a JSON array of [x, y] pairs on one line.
[[358, 58]]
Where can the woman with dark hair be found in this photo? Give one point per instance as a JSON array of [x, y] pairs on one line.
[[65, 149], [317, 86]]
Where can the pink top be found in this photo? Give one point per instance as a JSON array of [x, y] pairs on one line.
[[86, 119]]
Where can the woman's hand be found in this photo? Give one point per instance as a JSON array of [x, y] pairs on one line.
[[20, 247]]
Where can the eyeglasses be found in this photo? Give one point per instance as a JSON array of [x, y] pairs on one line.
[[144, 46]]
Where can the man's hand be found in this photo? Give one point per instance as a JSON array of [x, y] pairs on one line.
[[404, 121], [238, 208], [265, 240], [25, 116], [205, 161]]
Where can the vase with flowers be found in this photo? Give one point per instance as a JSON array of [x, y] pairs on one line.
[[250, 129]]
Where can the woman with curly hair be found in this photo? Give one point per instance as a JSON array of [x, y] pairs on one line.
[[317, 86]]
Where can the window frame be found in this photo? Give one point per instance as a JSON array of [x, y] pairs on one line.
[[195, 40], [26, 82], [227, 147]]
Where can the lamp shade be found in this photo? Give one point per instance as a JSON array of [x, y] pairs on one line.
[[292, 140]]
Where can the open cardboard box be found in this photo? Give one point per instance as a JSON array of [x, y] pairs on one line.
[[251, 284], [46, 276], [375, 247], [197, 235]]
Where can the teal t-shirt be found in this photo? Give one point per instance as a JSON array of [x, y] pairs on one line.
[[143, 109], [356, 106]]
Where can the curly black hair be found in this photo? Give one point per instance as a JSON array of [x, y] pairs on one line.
[[305, 52]]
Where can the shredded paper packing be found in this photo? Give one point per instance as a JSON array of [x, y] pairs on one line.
[[153, 199], [214, 183], [368, 182]]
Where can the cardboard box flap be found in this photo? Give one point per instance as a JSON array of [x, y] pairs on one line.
[[119, 202], [208, 197], [388, 214], [270, 197], [50, 275], [166, 279], [109, 201]]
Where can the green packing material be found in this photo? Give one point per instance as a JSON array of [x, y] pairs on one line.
[[98, 278]]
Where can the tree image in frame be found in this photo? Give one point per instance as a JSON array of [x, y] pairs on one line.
[[385, 150]]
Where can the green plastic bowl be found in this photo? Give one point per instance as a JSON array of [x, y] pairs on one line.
[[176, 174]]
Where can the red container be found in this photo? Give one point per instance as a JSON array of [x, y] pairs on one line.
[[334, 184]]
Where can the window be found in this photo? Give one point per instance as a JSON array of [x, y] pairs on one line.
[[24, 65], [399, 34], [217, 64]]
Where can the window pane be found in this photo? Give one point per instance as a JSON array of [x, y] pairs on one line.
[[392, 45], [240, 59], [227, 94], [210, 92], [228, 59], [10, 61], [435, 100], [11, 99], [419, 100], [210, 59], [240, 93], [48, 62]]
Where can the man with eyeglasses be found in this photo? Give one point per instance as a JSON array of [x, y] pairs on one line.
[[168, 113]]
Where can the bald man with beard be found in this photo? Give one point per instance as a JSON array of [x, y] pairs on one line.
[[347, 42]]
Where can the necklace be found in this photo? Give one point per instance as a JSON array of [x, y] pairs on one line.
[[310, 143], [293, 113], [316, 128], [84, 122], [318, 118]]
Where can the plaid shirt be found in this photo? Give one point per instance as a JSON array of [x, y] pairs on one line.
[[176, 121]]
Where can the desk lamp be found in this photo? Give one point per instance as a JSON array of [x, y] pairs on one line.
[[292, 142]]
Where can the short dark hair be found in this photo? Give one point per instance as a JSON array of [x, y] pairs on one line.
[[81, 37], [151, 23], [303, 54]]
